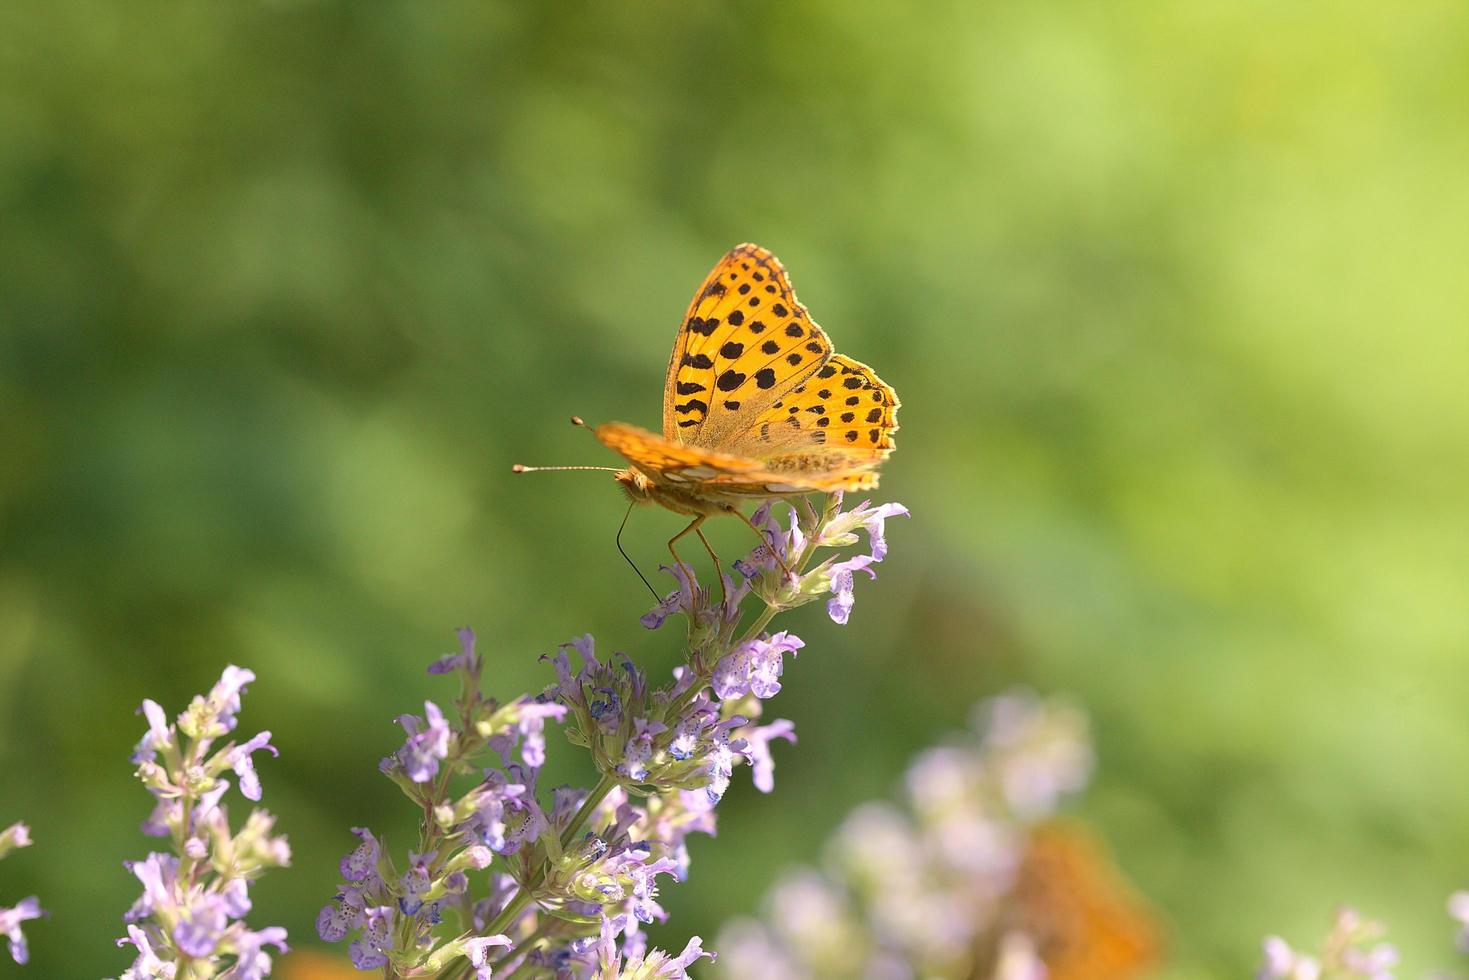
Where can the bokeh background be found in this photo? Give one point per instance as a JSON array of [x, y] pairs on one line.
[[1175, 296]]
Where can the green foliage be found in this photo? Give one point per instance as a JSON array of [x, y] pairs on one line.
[[1174, 295]]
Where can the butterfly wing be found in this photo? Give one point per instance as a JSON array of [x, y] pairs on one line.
[[1087, 922], [704, 473], [745, 341], [844, 405], [672, 462]]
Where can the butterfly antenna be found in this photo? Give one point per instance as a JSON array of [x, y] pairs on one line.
[[522, 468], [656, 596]]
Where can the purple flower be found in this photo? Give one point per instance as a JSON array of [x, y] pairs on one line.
[[239, 760], [15, 836], [202, 921], [251, 960], [656, 965], [370, 951], [361, 864], [778, 543], [157, 737], [526, 724], [466, 659], [754, 667], [841, 530], [839, 608], [199, 918], [428, 742], [157, 873], [702, 741], [415, 883], [505, 815], [477, 950], [213, 715], [757, 749], [697, 603], [10, 920], [639, 749]]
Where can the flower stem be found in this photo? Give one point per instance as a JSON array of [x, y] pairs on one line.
[[593, 800]]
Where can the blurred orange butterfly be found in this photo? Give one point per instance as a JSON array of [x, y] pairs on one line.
[[755, 405], [1085, 921]]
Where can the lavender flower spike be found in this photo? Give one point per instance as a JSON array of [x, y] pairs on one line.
[[194, 900], [1350, 952]]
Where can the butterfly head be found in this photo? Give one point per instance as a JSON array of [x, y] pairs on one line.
[[635, 484]]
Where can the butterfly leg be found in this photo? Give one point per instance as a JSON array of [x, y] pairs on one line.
[[718, 570], [693, 526], [765, 540]]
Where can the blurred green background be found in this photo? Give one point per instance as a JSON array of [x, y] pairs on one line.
[[1175, 296]]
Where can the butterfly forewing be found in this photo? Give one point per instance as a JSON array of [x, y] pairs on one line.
[[673, 461], [745, 341]]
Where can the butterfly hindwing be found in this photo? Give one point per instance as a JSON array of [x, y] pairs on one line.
[[839, 419], [744, 342]]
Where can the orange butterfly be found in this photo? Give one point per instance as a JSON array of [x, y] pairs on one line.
[[1086, 922], [755, 405]]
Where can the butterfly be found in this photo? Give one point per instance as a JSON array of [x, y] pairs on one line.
[[1086, 922], [756, 405]]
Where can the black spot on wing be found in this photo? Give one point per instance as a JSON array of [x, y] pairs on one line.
[[731, 350], [736, 317], [700, 362], [689, 388], [730, 380], [692, 405], [770, 347], [765, 378]]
